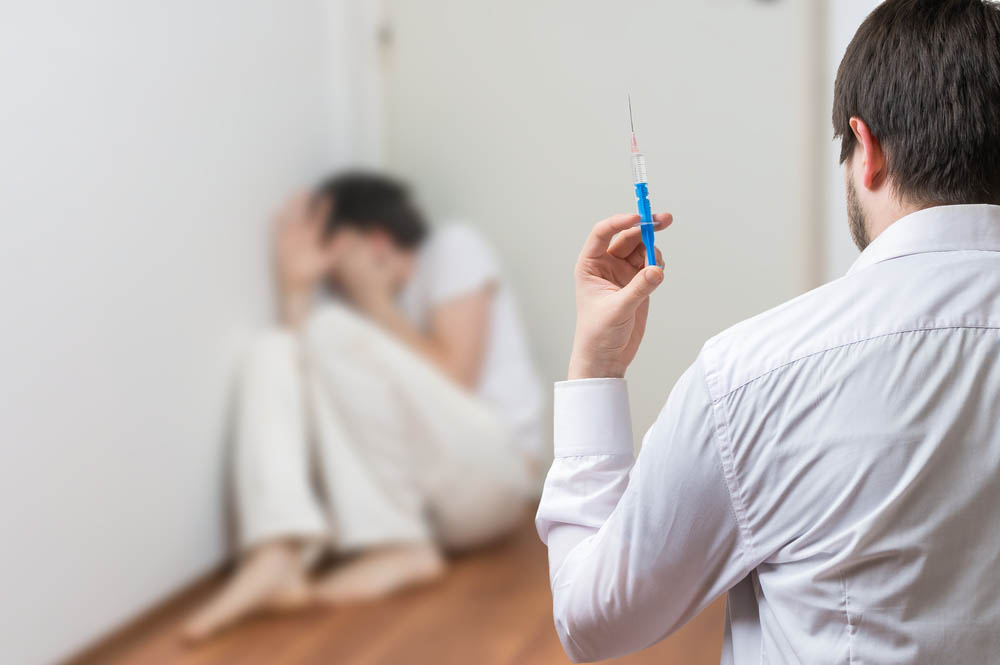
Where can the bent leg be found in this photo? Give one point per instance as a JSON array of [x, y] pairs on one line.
[[275, 498], [431, 450], [277, 510], [366, 462]]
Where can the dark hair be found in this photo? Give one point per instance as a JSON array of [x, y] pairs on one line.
[[370, 201], [924, 75]]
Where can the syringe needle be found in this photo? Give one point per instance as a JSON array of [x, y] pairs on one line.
[[635, 144]]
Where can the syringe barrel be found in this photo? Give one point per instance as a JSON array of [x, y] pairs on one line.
[[638, 168]]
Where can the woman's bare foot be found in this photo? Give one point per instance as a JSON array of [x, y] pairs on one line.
[[379, 573], [272, 577]]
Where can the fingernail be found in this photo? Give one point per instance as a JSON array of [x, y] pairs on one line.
[[654, 276]]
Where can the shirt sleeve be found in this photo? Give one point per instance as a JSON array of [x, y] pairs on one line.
[[635, 551], [462, 262]]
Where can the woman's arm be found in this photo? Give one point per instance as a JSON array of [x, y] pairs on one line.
[[457, 333]]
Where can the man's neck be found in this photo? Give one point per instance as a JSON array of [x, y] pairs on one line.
[[891, 213]]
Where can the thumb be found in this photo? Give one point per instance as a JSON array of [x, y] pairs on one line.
[[641, 286]]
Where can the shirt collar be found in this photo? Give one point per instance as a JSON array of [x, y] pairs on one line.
[[938, 229]]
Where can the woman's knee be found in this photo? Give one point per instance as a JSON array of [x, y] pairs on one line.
[[337, 316], [479, 518], [334, 325]]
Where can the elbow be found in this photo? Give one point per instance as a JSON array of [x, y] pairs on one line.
[[572, 649], [581, 635], [462, 373], [463, 379], [467, 379]]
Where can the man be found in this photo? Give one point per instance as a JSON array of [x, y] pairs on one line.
[[416, 390], [833, 464]]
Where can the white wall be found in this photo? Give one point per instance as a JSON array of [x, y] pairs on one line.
[[513, 116], [144, 145], [842, 20]]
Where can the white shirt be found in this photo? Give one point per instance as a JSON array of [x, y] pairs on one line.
[[834, 464], [455, 261]]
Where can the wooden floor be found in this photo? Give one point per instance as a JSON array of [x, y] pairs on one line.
[[493, 608]]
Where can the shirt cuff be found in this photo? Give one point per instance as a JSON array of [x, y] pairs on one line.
[[591, 417]]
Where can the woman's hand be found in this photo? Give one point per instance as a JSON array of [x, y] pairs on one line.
[[613, 285], [302, 254]]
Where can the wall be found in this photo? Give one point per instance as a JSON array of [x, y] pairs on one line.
[[513, 117], [144, 146], [842, 20]]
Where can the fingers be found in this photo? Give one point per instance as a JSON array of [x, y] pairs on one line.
[[642, 285], [600, 236], [304, 212], [625, 242], [292, 210], [299, 205], [637, 259], [320, 208]]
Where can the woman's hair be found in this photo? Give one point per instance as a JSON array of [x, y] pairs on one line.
[[370, 201]]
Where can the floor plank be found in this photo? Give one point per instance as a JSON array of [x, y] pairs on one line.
[[493, 608]]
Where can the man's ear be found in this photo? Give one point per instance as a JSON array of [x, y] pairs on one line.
[[872, 164]]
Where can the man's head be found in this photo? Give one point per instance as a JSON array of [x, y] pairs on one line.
[[917, 109], [374, 219]]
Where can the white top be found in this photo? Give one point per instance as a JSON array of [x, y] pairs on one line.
[[834, 464], [454, 261]]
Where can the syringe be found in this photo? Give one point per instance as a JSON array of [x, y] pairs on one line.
[[642, 193]]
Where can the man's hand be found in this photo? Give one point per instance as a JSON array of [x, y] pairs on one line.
[[302, 255], [612, 296]]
